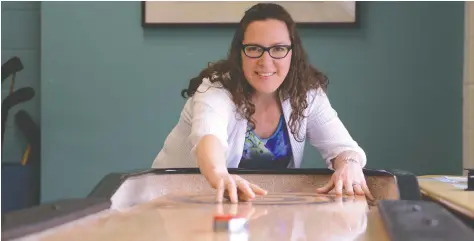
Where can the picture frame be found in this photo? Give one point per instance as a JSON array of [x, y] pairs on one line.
[[186, 13]]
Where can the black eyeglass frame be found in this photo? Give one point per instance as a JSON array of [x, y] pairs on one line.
[[267, 49]]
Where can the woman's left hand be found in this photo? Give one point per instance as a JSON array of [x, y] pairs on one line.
[[348, 176]]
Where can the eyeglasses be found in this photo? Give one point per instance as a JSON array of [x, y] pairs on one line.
[[256, 51]]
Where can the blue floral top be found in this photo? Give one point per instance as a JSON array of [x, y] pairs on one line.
[[267, 153]]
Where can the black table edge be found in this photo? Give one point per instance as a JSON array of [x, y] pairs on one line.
[[26, 221]]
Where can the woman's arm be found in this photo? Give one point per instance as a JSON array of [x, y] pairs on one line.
[[342, 154], [211, 159], [327, 133], [213, 109]]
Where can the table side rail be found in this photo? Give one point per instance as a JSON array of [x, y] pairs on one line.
[[23, 222]]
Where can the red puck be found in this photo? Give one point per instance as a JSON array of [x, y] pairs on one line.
[[229, 223]]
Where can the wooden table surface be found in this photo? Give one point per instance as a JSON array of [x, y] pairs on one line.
[[450, 191], [299, 216]]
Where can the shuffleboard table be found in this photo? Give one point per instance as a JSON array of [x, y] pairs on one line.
[[178, 204]]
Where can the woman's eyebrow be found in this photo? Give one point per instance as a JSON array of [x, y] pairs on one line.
[[280, 43], [273, 44]]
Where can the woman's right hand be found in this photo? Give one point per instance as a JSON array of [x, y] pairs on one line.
[[211, 161], [234, 187]]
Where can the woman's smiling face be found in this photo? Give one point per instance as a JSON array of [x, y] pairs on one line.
[[266, 73]]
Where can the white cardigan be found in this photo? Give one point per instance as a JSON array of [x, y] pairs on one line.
[[212, 111]]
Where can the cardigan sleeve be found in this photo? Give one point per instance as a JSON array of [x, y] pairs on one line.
[[211, 109], [327, 133]]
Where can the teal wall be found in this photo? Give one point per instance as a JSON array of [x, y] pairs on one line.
[[111, 90], [21, 38]]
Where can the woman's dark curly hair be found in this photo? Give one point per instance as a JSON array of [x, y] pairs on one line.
[[300, 79]]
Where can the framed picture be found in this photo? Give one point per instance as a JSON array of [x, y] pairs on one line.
[[157, 13]]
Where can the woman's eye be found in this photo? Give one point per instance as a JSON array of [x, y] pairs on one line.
[[253, 49]]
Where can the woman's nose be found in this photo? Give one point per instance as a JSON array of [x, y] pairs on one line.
[[265, 59]]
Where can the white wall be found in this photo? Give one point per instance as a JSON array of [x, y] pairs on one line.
[[468, 108]]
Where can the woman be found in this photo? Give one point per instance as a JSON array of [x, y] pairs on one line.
[[256, 109]]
